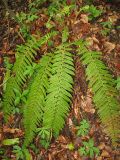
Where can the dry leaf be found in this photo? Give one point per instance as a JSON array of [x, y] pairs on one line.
[[101, 146], [95, 40], [108, 46], [84, 18], [61, 139], [11, 130], [105, 154], [99, 158], [8, 130]]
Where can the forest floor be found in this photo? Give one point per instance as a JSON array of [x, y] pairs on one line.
[[82, 105]]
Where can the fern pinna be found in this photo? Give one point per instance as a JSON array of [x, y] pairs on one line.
[[59, 91], [33, 110], [24, 56], [103, 87]]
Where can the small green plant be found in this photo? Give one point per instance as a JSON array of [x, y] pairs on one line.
[[34, 148], [45, 135], [21, 17], [53, 9], [92, 11], [49, 25], [24, 19], [24, 30], [70, 146], [36, 3], [89, 149], [83, 129], [58, 10], [21, 154], [2, 150], [107, 26]]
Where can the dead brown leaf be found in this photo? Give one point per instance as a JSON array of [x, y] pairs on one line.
[[108, 47], [105, 154], [8, 130], [101, 146], [62, 139], [84, 18]]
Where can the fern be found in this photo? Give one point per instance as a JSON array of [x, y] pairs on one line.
[[59, 91], [24, 57], [36, 97], [103, 87]]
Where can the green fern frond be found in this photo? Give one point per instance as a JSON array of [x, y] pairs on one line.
[[24, 57], [33, 111], [103, 87], [59, 91]]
